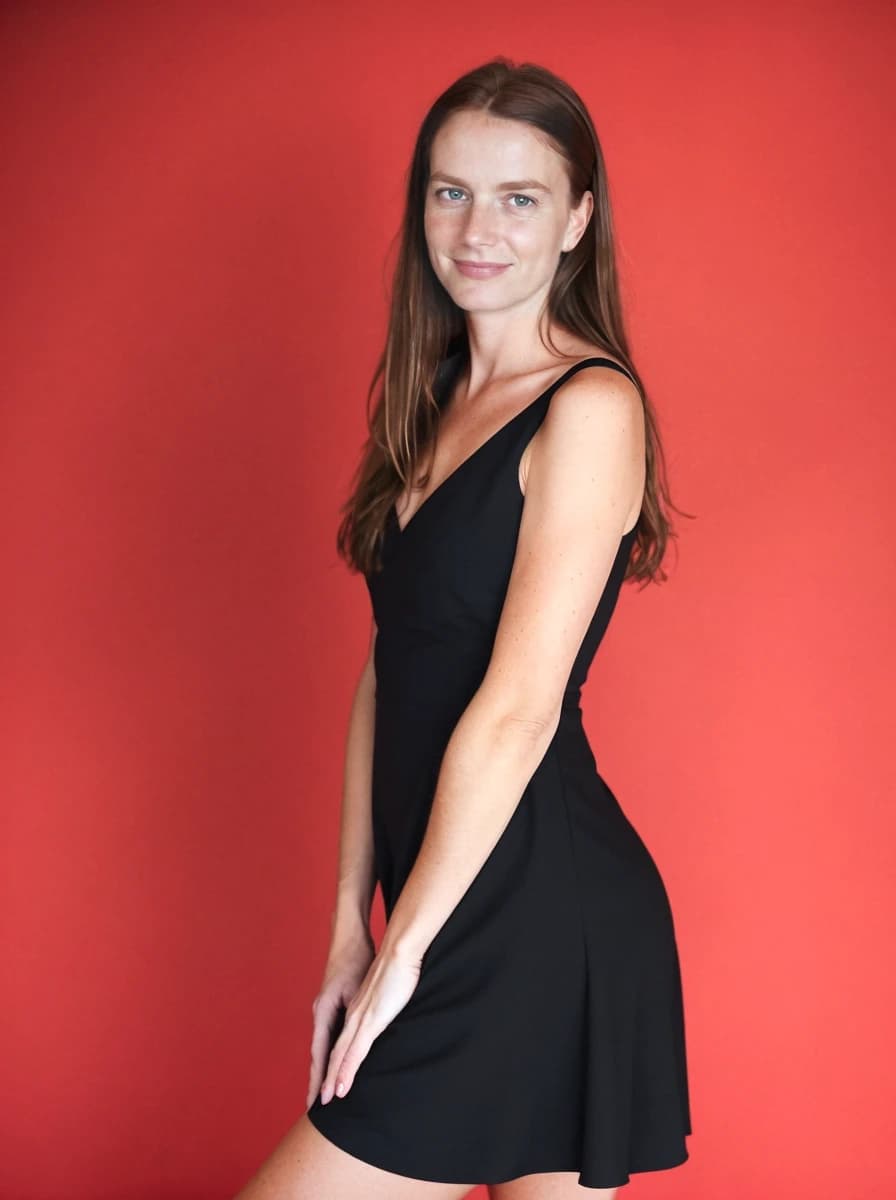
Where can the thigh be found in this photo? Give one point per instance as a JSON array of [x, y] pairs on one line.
[[305, 1165], [549, 1185]]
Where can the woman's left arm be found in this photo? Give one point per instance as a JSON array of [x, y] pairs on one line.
[[586, 471]]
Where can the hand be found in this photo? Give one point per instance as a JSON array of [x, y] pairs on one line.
[[387, 987], [346, 966]]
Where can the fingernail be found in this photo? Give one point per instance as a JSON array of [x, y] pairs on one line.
[[340, 1088]]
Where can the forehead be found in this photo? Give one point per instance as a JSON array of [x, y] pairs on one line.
[[486, 149]]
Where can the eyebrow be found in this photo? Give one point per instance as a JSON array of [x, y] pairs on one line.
[[529, 185]]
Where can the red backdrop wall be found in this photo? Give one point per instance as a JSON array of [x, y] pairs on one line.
[[197, 211]]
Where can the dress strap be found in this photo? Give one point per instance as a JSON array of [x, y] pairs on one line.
[[594, 361]]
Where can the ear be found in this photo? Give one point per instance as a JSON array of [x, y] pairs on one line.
[[578, 221]]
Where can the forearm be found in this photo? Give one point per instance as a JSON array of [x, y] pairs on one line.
[[487, 764], [356, 874]]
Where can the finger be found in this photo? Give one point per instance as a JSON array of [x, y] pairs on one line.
[[329, 1084], [343, 1041], [326, 1018], [315, 1077], [353, 1057], [348, 1054]]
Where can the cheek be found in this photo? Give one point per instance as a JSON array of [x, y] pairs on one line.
[[437, 226], [533, 242]]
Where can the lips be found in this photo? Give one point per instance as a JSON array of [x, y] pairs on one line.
[[479, 270]]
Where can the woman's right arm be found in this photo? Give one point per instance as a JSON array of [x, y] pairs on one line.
[[351, 945], [357, 878]]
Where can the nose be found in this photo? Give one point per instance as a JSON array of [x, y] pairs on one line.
[[481, 224]]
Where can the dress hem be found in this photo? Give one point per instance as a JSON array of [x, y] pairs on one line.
[[351, 1146]]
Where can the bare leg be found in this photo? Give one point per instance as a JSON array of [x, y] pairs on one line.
[[307, 1166], [549, 1185]]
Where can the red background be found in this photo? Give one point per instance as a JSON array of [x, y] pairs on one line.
[[198, 206]]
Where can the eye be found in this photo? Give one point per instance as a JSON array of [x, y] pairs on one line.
[[448, 189], [530, 202]]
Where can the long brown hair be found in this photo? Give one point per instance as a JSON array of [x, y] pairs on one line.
[[426, 327]]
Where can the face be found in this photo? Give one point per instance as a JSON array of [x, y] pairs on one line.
[[498, 196]]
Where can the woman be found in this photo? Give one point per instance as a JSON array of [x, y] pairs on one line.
[[521, 1024]]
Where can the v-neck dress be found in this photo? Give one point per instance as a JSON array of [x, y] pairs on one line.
[[546, 1032]]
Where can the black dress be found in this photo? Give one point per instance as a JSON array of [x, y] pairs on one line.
[[546, 1032]]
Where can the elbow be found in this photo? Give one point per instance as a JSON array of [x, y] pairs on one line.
[[518, 715], [532, 727]]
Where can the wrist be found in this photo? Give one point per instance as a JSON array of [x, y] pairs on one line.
[[406, 944], [349, 923]]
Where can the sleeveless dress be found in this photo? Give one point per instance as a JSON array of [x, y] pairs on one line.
[[546, 1032]]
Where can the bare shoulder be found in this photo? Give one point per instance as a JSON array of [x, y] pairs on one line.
[[576, 351], [596, 378], [595, 394], [595, 416], [597, 390]]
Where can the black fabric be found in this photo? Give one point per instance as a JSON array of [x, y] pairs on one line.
[[547, 1030]]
